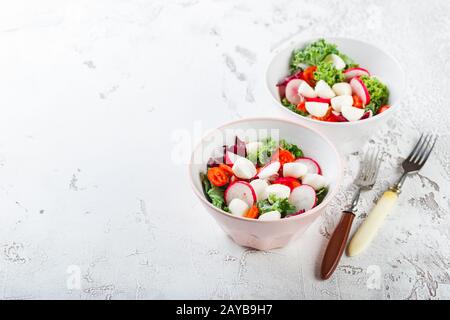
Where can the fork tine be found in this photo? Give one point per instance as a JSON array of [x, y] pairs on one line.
[[410, 156], [363, 165], [375, 165], [425, 155], [424, 148]]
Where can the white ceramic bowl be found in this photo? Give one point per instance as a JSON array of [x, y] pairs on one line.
[[347, 136], [258, 234]]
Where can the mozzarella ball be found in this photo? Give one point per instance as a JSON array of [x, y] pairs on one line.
[[342, 88], [238, 207], [306, 90], [294, 170], [260, 185], [323, 90], [244, 168], [351, 113], [338, 102], [314, 180], [270, 216], [278, 190]]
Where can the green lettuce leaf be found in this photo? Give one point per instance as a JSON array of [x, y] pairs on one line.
[[312, 54], [292, 107], [213, 194], [292, 148], [379, 93], [320, 194], [273, 203], [328, 73]]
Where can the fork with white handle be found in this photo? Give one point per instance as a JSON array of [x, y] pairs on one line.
[[412, 164]]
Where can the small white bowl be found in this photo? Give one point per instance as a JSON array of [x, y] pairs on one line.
[[264, 235], [347, 136]]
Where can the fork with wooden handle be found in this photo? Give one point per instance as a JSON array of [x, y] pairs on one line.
[[365, 180], [412, 164]]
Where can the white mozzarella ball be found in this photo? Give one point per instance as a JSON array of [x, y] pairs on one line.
[[318, 109], [306, 90], [338, 102], [278, 190], [270, 216], [323, 90], [253, 147], [269, 170], [244, 168], [351, 113], [337, 61], [342, 88], [260, 186], [238, 207], [294, 170], [314, 180]]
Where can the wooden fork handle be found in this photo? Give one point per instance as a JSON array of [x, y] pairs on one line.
[[336, 245]]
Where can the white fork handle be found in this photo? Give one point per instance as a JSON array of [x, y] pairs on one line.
[[368, 229]]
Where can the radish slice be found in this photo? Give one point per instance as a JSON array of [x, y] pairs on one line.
[[292, 91], [285, 81], [342, 88], [323, 90], [238, 207], [318, 109], [270, 216], [244, 168], [269, 170], [306, 90], [338, 102], [278, 190], [230, 158], [311, 165], [351, 113], [303, 197], [240, 190], [355, 72], [359, 88], [323, 100], [336, 61], [314, 180], [260, 185]]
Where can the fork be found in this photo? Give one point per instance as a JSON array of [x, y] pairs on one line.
[[412, 164], [365, 180]]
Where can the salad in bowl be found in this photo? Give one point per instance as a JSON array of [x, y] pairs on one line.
[[265, 180], [327, 85]]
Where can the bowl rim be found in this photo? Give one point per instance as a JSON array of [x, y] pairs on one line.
[[323, 204], [295, 40]]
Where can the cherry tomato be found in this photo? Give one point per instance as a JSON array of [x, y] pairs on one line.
[[288, 181], [357, 102], [308, 75], [301, 107], [218, 176], [283, 156]]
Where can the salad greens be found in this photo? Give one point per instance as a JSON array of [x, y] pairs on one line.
[[214, 194], [292, 148], [272, 203], [328, 73], [379, 93], [312, 54], [321, 194], [292, 107]]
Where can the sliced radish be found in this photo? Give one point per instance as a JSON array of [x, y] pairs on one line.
[[311, 165], [294, 169], [230, 158], [351, 113], [240, 190], [303, 197], [337, 61], [238, 207], [338, 102], [318, 100], [285, 81], [292, 94], [270, 216], [314, 180], [259, 186], [318, 109], [359, 88], [269, 170], [280, 191], [355, 72], [244, 168], [367, 115], [323, 90], [306, 90], [342, 88]]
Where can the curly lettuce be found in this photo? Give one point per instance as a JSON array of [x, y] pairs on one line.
[[292, 148], [328, 73], [312, 54], [272, 203], [378, 91], [293, 107], [214, 194]]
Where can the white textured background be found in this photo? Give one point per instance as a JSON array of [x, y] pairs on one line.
[[91, 93]]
